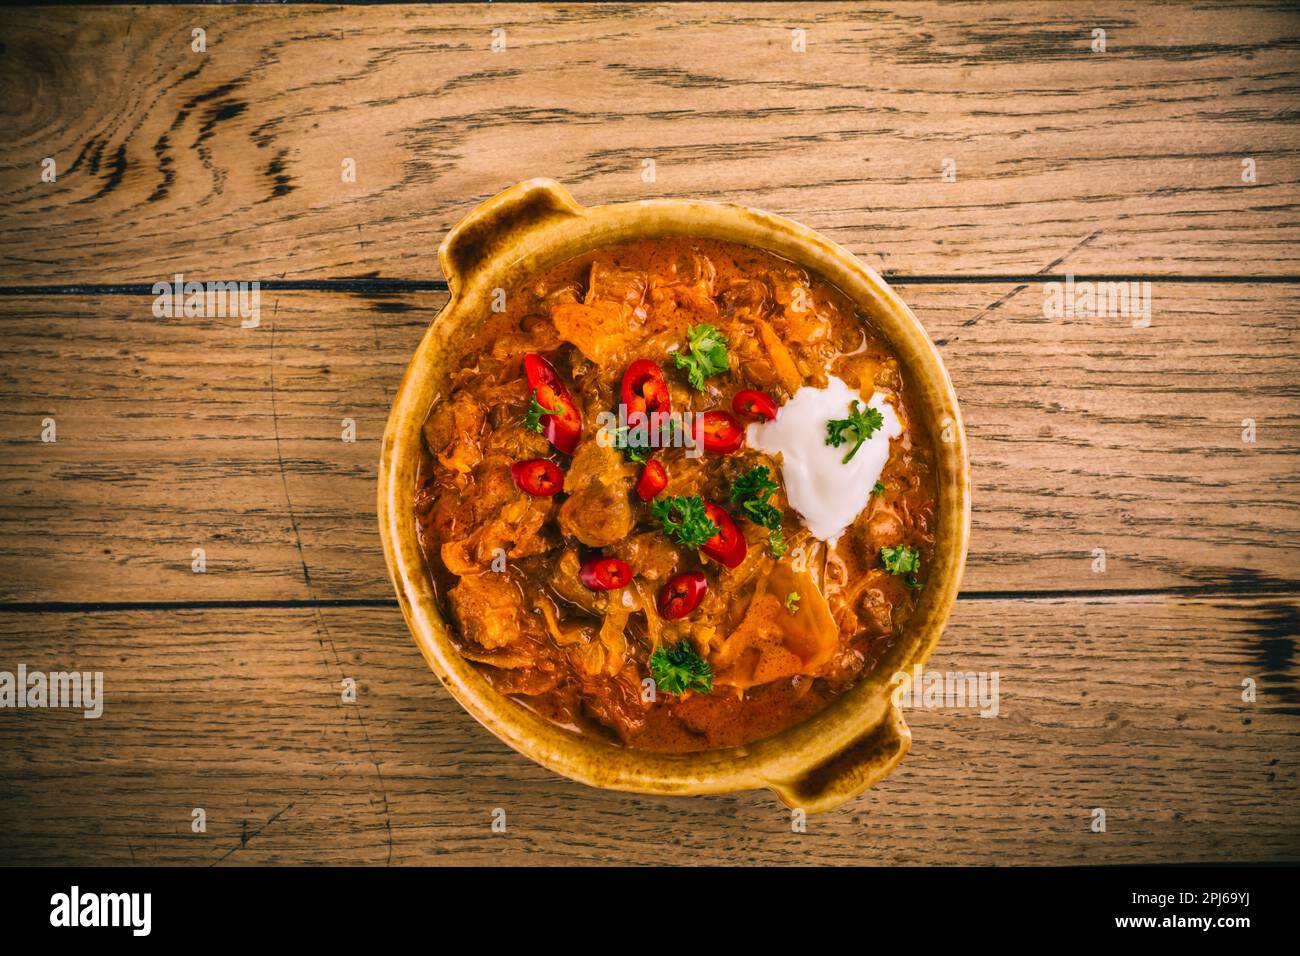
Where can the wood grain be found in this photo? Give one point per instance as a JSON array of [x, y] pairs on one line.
[[227, 163], [182, 433], [1130, 705], [1120, 690]]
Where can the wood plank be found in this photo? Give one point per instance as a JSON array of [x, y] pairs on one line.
[[227, 163], [1131, 705], [182, 433], [197, 433], [1088, 433]]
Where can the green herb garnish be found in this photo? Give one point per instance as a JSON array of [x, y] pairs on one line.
[[635, 451], [859, 426], [878, 488], [705, 354], [533, 417], [792, 602], [684, 519], [901, 560], [678, 669], [637, 442], [750, 492]]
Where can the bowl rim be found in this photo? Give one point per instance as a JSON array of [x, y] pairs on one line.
[[816, 764]]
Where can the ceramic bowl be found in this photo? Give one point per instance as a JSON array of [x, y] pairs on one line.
[[815, 765]]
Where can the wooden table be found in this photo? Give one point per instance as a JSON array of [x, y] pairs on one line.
[[1121, 689]]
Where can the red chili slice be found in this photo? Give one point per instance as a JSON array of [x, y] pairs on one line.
[[539, 477], [562, 429], [644, 388], [682, 594], [728, 546], [754, 404], [722, 433], [605, 574], [654, 479]]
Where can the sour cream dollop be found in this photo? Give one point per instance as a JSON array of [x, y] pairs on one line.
[[827, 492]]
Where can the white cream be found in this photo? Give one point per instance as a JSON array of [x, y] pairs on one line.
[[827, 493]]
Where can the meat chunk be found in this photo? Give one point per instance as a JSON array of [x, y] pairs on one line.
[[884, 527], [651, 555], [876, 612], [608, 653], [610, 317], [746, 300], [550, 293], [611, 283], [694, 269], [617, 701], [488, 607], [527, 683], [599, 509], [684, 295], [600, 331], [491, 514], [451, 433], [803, 309], [677, 306]]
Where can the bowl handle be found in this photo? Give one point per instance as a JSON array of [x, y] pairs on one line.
[[498, 223], [842, 776]]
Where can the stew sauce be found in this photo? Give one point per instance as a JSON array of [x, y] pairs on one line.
[[562, 579]]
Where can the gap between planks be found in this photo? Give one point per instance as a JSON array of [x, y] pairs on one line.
[[1088, 596], [440, 285]]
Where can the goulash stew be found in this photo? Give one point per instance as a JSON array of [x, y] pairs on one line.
[[677, 495]]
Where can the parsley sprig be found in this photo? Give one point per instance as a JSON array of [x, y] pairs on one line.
[[678, 669], [533, 417], [904, 562], [635, 451], [750, 492], [638, 443], [684, 519], [705, 354], [861, 424]]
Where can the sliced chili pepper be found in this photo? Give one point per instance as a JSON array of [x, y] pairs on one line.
[[728, 546], [538, 477], [722, 433], [654, 479], [605, 574], [682, 594], [563, 429], [754, 404], [644, 388]]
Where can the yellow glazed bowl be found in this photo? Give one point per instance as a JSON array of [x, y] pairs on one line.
[[816, 765]]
